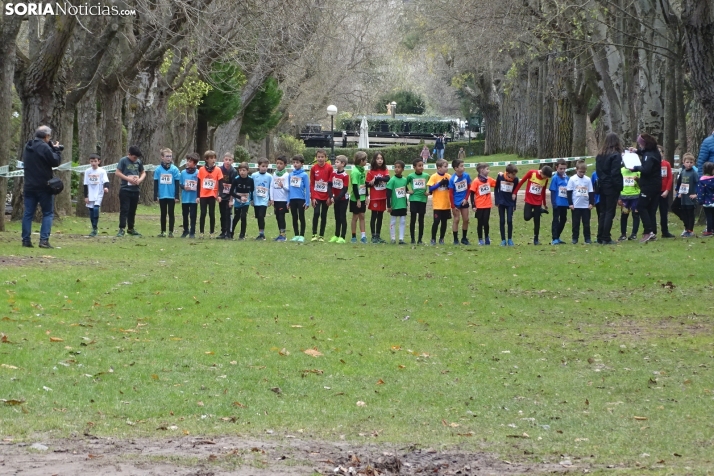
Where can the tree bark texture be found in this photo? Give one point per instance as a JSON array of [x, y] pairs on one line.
[[112, 149], [698, 20], [87, 140], [670, 110]]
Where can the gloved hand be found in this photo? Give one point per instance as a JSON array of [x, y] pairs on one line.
[[445, 182]]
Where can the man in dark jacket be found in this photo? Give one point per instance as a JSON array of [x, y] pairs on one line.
[[39, 157], [706, 153]]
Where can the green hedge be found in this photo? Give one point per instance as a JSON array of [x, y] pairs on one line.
[[404, 153], [398, 126]]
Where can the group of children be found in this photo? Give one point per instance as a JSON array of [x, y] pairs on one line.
[[325, 185]]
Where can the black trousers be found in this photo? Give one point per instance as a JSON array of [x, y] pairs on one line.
[[189, 217], [635, 222], [240, 215], [709, 213], [688, 217], [647, 206], [560, 218], [418, 210], [297, 210], [210, 204], [441, 217], [375, 222], [608, 206], [532, 212], [321, 215], [128, 201], [483, 215], [663, 214], [581, 215], [505, 215], [341, 218], [281, 208], [260, 212], [167, 206], [225, 210]]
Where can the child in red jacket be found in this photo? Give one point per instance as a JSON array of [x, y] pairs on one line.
[[536, 185]]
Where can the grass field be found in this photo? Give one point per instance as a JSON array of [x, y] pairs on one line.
[[597, 355]]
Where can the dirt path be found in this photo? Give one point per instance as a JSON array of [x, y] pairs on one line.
[[193, 456]]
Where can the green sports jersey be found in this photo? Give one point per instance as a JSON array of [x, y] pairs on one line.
[[630, 187], [397, 186], [357, 177], [417, 182]]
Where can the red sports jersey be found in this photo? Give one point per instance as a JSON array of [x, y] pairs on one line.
[[379, 191], [666, 176], [535, 187], [340, 181], [319, 177]]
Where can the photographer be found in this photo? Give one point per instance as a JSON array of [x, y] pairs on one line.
[[39, 157]]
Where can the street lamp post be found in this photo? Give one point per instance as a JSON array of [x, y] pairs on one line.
[[332, 110], [394, 109]]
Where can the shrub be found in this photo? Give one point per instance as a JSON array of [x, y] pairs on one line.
[[405, 153], [241, 154], [289, 146]]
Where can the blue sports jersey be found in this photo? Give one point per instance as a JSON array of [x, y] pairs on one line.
[[261, 192], [189, 186], [167, 180], [460, 186], [559, 190]]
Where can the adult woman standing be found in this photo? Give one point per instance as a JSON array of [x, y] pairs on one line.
[[608, 164], [650, 183]]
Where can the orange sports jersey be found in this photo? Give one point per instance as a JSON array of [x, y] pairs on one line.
[[441, 200], [208, 181], [482, 192]]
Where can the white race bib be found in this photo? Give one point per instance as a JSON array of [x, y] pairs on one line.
[[226, 188], [93, 179], [507, 187], [535, 189], [362, 189], [684, 188], [209, 184], [277, 182], [321, 186], [261, 192], [664, 171], [295, 181], [190, 185], [400, 192], [460, 186], [166, 179], [581, 191], [337, 183], [629, 181], [563, 192], [419, 184], [484, 189]]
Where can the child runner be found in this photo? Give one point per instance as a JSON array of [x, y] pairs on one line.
[[358, 197], [417, 200], [208, 178], [686, 191], [224, 206], [481, 198], [131, 171], [505, 182], [559, 200], [262, 181], [535, 181], [581, 199], [340, 186], [438, 185], [299, 196], [705, 196], [320, 175], [279, 194], [459, 184], [397, 202], [189, 195], [167, 184], [377, 178], [96, 184], [628, 203], [425, 154], [242, 190], [666, 172]]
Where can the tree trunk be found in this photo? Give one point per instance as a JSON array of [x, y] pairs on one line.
[[87, 125], [651, 65], [202, 143], [681, 109], [112, 151], [541, 89], [670, 111], [698, 20]]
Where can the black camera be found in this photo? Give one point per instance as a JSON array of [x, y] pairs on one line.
[[59, 147]]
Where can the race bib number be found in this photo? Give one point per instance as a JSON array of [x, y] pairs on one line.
[[400, 192], [166, 179], [419, 184], [581, 191], [209, 184], [684, 188], [563, 192], [277, 182], [261, 192], [507, 187], [337, 184], [321, 186], [190, 185], [664, 171], [460, 186], [629, 181], [484, 189], [226, 188], [295, 181], [362, 189], [535, 189]]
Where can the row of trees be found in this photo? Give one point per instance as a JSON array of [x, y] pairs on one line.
[[542, 71]]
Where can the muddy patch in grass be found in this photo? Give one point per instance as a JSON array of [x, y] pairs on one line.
[[660, 328], [195, 456]]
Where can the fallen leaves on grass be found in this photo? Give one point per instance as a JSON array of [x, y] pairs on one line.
[[380, 382], [313, 352], [238, 404], [640, 418], [276, 390], [4, 339], [668, 285], [283, 352], [360, 403], [312, 371], [7, 366], [11, 402], [524, 435], [56, 339]]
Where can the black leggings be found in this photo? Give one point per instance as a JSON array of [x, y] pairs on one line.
[[439, 217], [418, 210], [482, 227], [240, 214], [210, 203], [635, 222], [688, 218], [225, 211], [532, 211], [375, 223], [608, 206], [321, 214], [709, 213], [189, 212], [505, 215], [663, 212], [167, 206], [297, 209], [281, 208], [341, 218]]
